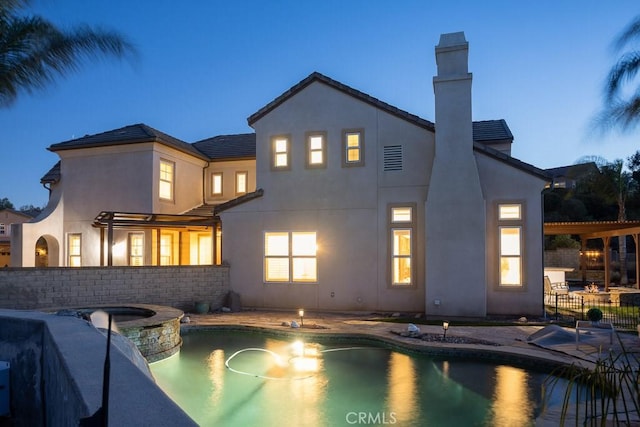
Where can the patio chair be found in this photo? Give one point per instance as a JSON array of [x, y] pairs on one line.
[[556, 288]]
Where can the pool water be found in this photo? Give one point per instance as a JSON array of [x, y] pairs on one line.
[[224, 378]]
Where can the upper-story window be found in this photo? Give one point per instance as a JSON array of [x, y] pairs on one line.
[[241, 182], [353, 147], [316, 149], [167, 177], [281, 152], [216, 184], [510, 227], [3, 228]]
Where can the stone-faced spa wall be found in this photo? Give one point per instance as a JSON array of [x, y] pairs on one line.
[[53, 287]]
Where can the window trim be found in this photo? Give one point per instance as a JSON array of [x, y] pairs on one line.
[[71, 255], [274, 153], [246, 182], [393, 226], [130, 254], [213, 177], [291, 257], [308, 150], [511, 223], [345, 149], [172, 182]]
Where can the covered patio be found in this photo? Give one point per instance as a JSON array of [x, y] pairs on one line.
[[604, 230], [107, 221]]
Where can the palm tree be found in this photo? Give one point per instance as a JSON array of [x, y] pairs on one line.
[[34, 52], [621, 103]]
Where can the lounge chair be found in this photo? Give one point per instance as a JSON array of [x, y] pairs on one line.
[[556, 288]]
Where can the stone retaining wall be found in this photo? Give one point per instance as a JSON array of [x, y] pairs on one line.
[[54, 287]]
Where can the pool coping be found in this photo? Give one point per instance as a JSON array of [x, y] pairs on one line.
[[517, 352]]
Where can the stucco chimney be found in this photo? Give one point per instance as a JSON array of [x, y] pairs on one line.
[[455, 208]]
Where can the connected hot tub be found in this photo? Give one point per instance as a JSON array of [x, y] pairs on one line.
[[154, 329]]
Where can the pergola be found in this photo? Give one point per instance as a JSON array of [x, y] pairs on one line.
[[604, 230], [110, 220]]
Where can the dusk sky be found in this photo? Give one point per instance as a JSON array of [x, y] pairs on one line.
[[204, 66]]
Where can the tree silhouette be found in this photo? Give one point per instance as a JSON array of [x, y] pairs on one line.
[[34, 52]]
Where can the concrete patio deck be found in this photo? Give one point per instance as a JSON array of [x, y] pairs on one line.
[[503, 342]]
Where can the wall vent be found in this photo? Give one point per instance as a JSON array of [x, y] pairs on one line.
[[392, 158]]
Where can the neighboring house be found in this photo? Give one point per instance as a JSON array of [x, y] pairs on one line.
[[8, 217], [339, 201], [568, 176]]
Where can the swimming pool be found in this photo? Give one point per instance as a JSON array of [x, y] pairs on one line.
[[231, 378]]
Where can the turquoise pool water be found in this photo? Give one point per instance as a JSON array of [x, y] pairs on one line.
[[223, 378]]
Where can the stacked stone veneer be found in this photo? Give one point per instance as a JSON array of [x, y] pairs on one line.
[[53, 287], [564, 258]]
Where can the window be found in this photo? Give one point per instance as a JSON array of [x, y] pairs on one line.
[[166, 180], [216, 184], [74, 250], [241, 182], [316, 149], [392, 158], [290, 257], [3, 229], [510, 241], [281, 152], [401, 226], [166, 249], [353, 147], [136, 249]]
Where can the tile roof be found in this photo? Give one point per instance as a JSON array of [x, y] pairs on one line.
[[133, 134], [317, 77], [242, 146], [491, 130], [52, 176]]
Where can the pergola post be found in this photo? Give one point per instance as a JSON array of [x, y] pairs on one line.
[[636, 237], [110, 244], [583, 259], [607, 262]]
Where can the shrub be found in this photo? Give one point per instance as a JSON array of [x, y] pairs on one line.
[[594, 314]]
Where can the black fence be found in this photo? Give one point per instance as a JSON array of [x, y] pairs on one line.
[[569, 308]]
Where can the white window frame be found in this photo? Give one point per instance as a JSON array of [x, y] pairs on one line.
[[166, 182], [281, 151], [166, 249], [135, 249], [313, 151], [347, 149], [242, 182], [217, 188], [402, 221], [74, 250], [292, 261], [510, 256]]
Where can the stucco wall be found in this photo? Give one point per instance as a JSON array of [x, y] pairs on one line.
[[506, 184], [180, 287], [346, 206]]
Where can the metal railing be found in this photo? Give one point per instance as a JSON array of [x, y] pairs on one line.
[[569, 308]]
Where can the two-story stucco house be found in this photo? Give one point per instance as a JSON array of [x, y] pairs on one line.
[[339, 201], [368, 207]]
